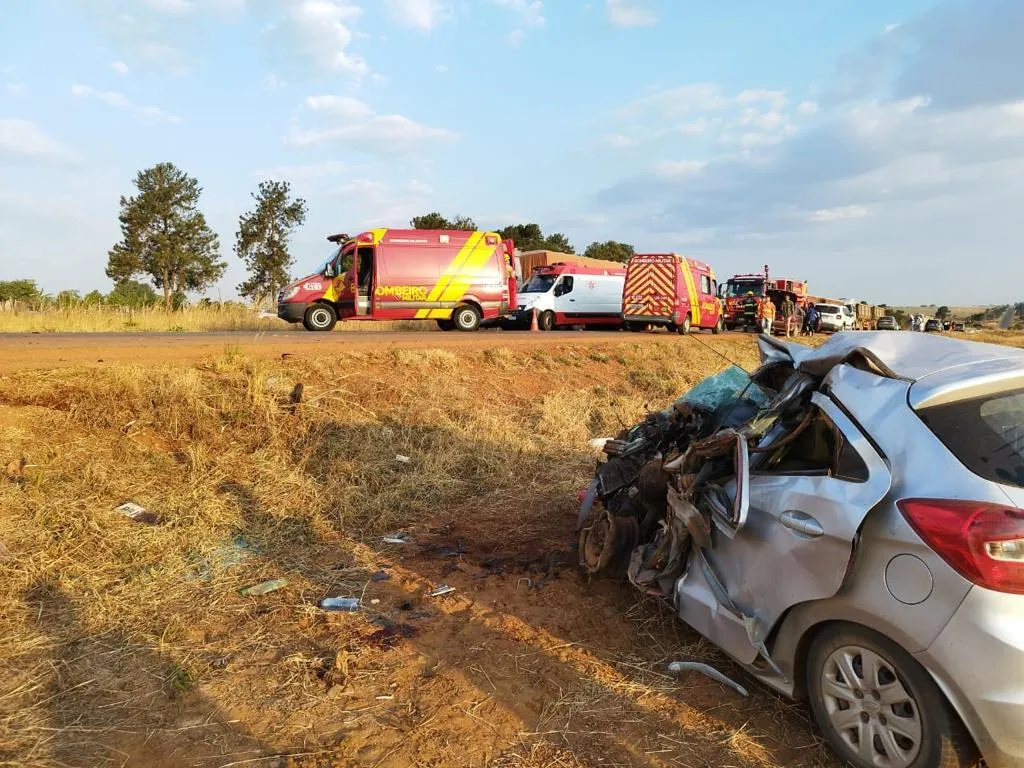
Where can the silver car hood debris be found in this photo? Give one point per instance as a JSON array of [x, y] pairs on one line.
[[680, 511]]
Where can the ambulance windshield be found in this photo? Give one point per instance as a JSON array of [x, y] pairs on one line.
[[539, 284]]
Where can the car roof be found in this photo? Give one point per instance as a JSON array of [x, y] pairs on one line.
[[905, 355]]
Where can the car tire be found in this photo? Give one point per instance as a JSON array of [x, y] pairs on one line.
[[719, 327], [320, 317], [684, 327], [546, 320], [635, 327], [898, 704], [446, 325], [466, 317]]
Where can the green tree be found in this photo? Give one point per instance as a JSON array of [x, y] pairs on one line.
[[558, 242], [132, 294], [262, 239], [435, 220], [93, 298], [610, 250], [528, 237], [164, 236], [68, 298], [942, 312], [20, 290]]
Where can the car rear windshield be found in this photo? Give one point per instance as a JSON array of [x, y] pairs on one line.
[[827, 309], [986, 434]]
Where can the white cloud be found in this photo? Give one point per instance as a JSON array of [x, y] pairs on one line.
[[530, 12], [319, 33], [618, 141], [343, 107], [170, 7], [807, 107], [150, 115], [16, 89], [630, 13], [696, 127], [890, 28], [840, 213], [442, 68], [777, 99], [422, 14], [274, 82], [119, 67], [23, 139], [383, 134], [673, 168], [515, 38]]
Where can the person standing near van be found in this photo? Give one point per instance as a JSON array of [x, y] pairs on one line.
[[788, 309], [766, 315], [751, 310]]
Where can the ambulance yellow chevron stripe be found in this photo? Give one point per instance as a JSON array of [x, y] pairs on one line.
[[691, 289], [458, 276]]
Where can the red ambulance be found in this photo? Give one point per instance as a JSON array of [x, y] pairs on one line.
[[458, 279], [666, 289]]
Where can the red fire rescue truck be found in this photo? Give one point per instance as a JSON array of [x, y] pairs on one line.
[[459, 279], [736, 288]]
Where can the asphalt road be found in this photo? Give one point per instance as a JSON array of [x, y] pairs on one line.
[[32, 350]]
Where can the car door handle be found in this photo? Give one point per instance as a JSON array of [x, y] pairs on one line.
[[801, 524]]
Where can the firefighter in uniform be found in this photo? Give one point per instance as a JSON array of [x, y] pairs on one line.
[[750, 310]]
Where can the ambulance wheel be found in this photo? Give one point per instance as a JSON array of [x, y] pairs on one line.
[[546, 321], [446, 325], [320, 317], [718, 327], [684, 327], [466, 317]]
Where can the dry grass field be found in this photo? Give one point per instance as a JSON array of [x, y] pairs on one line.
[[102, 319], [127, 642]]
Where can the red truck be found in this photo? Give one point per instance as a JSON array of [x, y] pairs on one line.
[[736, 288], [458, 279]]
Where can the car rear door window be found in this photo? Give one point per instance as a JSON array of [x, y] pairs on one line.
[[986, 434], [819, 449]]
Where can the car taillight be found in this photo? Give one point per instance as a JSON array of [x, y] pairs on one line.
[[984, 542]]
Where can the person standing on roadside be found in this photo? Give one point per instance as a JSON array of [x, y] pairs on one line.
[[750, 310], [788, 310], [765, 315], [811, 319]]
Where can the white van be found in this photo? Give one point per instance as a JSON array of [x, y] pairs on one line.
[[571, 296]]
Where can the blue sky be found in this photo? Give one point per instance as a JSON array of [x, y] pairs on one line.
[[873, 148]]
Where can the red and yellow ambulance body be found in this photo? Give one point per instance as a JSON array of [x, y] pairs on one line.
[[459, 279], [666, 289]]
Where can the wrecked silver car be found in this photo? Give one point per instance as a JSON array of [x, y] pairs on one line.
[[846, 522]]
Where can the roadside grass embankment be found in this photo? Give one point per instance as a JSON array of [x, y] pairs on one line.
[[127, 643], [197, 319]]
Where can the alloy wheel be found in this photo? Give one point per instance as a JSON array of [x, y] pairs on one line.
[[870, 707]]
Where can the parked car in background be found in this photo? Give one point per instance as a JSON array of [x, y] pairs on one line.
[[836, 317], [933, 325], [887, 323], [959, 327], [850, 530]]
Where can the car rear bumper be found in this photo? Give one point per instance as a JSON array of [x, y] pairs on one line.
[[292, 311], [978, 661]]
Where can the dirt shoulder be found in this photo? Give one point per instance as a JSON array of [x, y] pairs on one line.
[[19, 351]]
